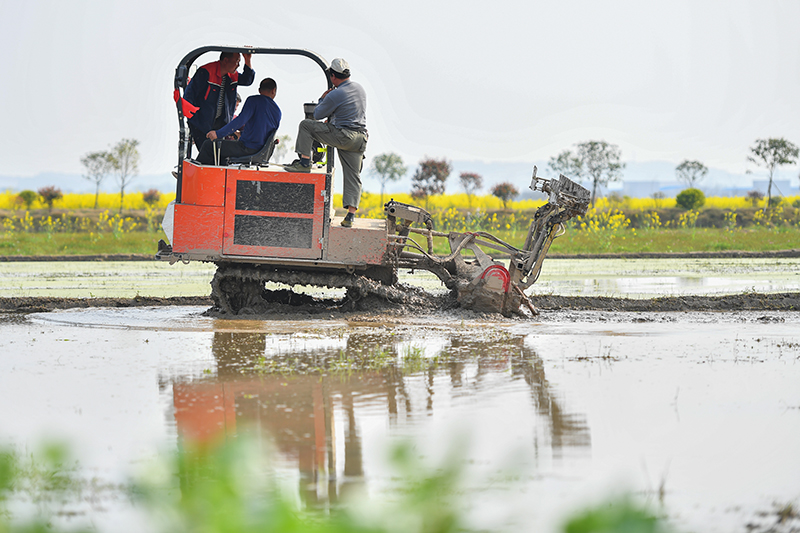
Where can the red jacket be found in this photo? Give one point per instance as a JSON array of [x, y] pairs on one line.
[[203, 92]]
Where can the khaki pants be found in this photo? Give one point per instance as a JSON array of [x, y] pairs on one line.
[[351, 145]]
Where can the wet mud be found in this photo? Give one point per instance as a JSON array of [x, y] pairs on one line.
[[737, 302], [39, 304], [290, 305]]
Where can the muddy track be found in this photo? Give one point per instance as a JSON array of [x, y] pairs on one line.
[[738, 302]]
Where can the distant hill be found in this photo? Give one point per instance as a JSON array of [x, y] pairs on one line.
[[78, 184]]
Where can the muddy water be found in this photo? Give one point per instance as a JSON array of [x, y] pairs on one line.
[[698, 413]]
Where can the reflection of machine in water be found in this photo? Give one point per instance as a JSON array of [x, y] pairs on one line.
[[310, 417]]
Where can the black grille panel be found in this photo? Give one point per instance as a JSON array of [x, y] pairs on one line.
[[275, 197], [279, 232]]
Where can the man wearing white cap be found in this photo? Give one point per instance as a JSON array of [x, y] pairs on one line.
[[346, 108]]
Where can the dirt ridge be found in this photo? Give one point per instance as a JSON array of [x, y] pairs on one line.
[[748, 301], [39, 304]]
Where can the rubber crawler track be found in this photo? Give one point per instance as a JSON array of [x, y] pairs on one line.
[[237, 287]]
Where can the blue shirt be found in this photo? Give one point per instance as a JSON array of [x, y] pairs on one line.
[[260, 116], [346, 106]]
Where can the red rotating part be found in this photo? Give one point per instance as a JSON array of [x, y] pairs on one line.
[[500, 272]]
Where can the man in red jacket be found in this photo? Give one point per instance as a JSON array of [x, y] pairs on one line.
[[213, 91]]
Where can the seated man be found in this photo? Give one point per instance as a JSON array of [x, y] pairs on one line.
[[260, 116]]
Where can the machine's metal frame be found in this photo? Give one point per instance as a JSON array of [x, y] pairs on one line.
[[238, 217]]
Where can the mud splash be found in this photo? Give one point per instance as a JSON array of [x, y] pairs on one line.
[[400, 299], [245, 290]]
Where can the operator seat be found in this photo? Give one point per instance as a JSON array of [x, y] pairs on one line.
[[259, 158]]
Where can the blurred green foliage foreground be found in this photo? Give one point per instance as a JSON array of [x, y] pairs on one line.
[[232, 490]]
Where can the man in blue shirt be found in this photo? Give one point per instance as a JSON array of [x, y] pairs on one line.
[[346, 108], [260, 116]]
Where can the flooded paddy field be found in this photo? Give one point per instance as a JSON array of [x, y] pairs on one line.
[[646, 278], [694, 413]]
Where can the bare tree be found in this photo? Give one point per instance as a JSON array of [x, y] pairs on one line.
[[388, 167], [429, 178], [771, 154], [125, 162], [471, 183], [98, 166], [691, 172], [595, 161], [506, 192]]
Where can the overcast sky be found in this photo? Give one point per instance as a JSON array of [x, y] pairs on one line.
[[489, 81]]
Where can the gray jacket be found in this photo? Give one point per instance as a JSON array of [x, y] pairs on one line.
[[346, 106]]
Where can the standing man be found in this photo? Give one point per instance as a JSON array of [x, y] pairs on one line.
[[346, 108], [260, 117], [213, 91]]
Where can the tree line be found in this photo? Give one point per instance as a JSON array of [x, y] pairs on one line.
[[122, 160], [597, 163], [429, 179]]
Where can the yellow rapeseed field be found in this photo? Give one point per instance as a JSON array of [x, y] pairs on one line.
[[614, 224], [78, 201], [371, 202]]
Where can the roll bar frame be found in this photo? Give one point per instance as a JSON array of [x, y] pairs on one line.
[[182, 77]]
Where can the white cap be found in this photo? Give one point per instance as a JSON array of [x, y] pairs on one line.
[[341, 66]]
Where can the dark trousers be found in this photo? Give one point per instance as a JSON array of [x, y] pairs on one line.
[[199, 136], [227, 149]]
